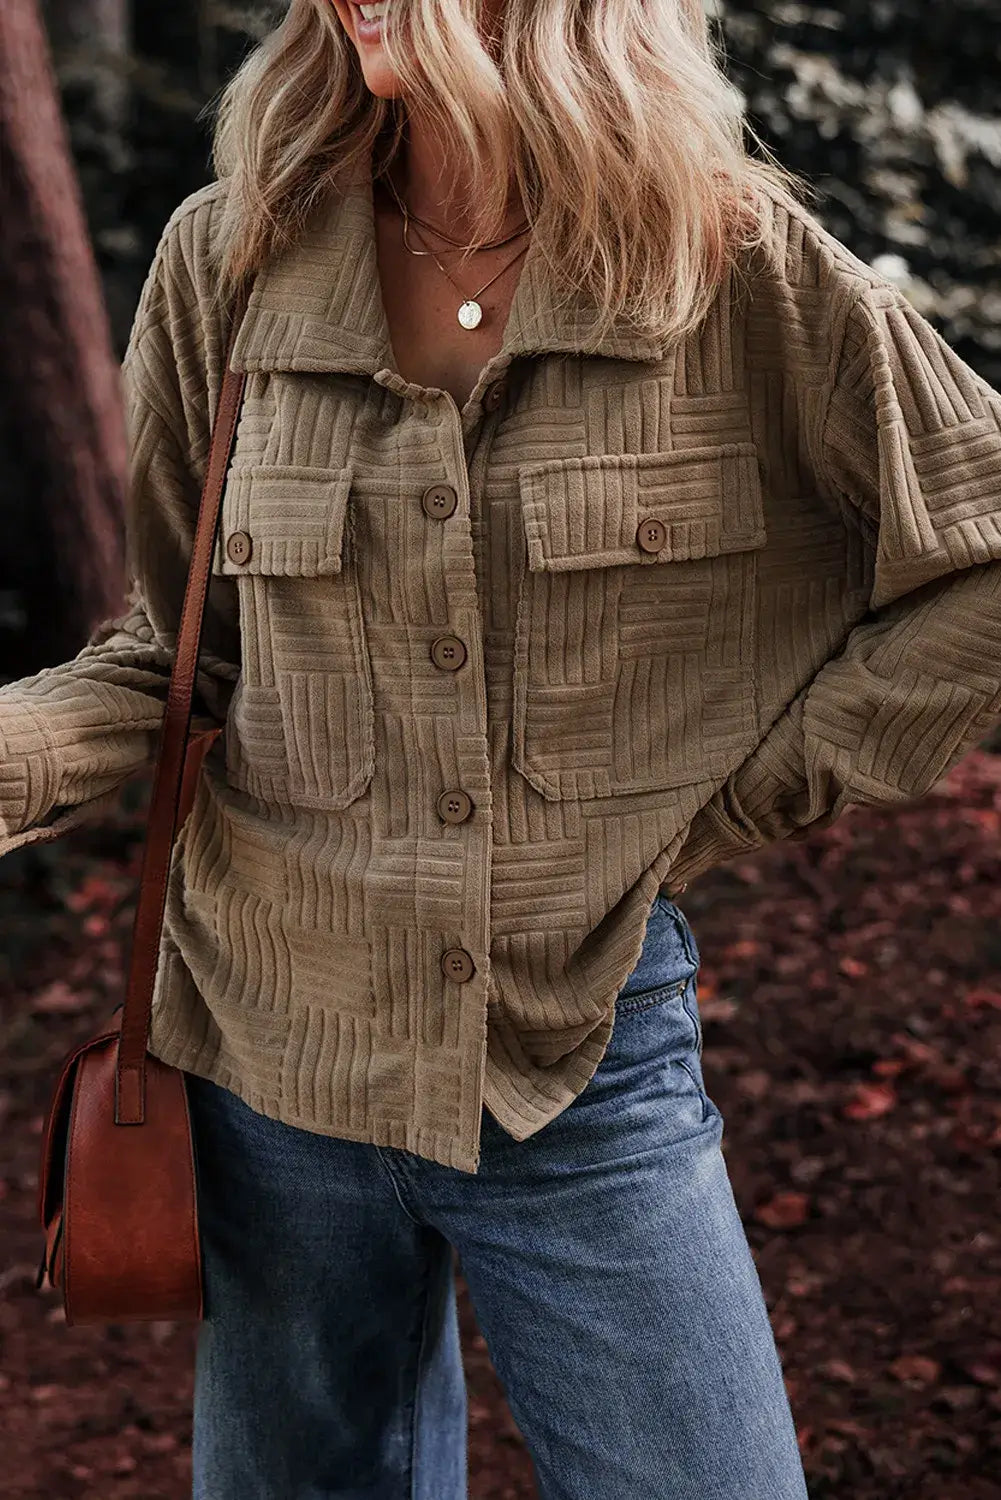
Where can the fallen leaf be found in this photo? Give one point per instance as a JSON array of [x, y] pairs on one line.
[[784, 1325], [870, 1100], [755, 1083], [982, 1372], [979, 999], [58, 999], [742, 948], [916, 1367], [957, 1397], [712, 1009], [159, 1442], [784, 1210], [954, 1284], [889, 1067], [848, 1427], [93, 891]]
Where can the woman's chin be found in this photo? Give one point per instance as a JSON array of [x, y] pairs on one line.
[[380, 79]]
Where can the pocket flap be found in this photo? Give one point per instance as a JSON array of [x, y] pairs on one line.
[[283, 519], [586, 512]]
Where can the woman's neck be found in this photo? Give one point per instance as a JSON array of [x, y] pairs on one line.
[[432, 184]]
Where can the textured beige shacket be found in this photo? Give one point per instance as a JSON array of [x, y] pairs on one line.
[[820, 626]]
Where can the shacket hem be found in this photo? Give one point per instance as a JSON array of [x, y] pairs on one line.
[[400, 1135]]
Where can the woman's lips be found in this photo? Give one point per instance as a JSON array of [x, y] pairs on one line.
[[366, 31]]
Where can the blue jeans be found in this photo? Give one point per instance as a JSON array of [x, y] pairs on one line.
[[606, 1261]]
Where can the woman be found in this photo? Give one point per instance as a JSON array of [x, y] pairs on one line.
[[594, 517]]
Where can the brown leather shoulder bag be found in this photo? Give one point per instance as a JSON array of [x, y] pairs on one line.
[[117, 1182]]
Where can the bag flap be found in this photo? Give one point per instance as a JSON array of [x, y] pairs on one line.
[[54, 1134]]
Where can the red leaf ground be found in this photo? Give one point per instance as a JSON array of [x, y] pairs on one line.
[[851, 999]]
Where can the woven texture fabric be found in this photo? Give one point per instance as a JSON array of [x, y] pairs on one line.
[[821, 626]]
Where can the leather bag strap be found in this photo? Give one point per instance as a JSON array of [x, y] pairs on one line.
[[130, 1074]]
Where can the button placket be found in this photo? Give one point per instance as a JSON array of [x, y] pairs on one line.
[[495, 394], [496, 386], [455, 807], [458, 651], [439, 501], [457, 965], [448, 652]]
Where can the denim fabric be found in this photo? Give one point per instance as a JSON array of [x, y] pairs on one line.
[[608, 1267]]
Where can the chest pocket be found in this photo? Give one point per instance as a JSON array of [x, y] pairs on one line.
[[301, 725], [635, 641]]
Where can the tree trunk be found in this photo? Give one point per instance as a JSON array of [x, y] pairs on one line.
[[62, 440]]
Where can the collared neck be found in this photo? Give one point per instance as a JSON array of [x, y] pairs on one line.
[[317, 306]]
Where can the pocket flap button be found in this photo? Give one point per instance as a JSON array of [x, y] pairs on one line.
[[651, 534], [238, 547]]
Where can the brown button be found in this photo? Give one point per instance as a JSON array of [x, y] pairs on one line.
[[494, 395], [448, 652], [456, 964], [439, 501], [239, 547], [455, 807], [651, 534]]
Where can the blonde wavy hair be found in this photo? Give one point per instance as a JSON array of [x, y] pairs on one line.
[[625, 136]]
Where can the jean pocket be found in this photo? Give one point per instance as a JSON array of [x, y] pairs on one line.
[[647, 999], [657, 1029], [668, 961]]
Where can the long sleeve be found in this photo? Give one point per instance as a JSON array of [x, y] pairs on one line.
[[911, 447], [72, 733]]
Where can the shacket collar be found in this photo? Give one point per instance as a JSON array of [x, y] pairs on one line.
[[317, 306]]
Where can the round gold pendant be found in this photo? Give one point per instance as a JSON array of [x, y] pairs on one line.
[[470, 314]]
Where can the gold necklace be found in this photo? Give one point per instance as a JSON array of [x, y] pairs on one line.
[[491, 245], [470, 313]]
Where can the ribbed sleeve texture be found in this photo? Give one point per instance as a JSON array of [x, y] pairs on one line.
[[911, 441], [71, 734], [493, 677]]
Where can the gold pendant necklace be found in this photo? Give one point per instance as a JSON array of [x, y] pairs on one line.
[[470, 313]]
